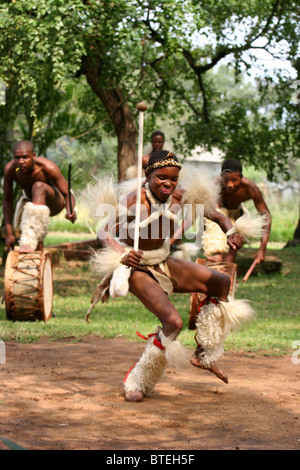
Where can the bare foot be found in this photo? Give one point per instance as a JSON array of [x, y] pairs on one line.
[[134, 396], [215, 369]]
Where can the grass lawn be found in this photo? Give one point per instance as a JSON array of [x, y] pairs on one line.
[[275, 299]]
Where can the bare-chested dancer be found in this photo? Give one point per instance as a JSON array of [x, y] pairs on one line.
[[154, 274], [157, 142], [235, 190], [45, 193]]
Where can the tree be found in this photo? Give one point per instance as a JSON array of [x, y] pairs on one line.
[[248, 129], [44, 43], [162, 52]]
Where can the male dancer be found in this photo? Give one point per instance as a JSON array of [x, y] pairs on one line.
[[152, 275], [45, 193], [157, 142], [235, 190]]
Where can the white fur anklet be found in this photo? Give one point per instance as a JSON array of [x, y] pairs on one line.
[[214, 322], [209, 334], [176, 354], [145, 374], [34, 224]]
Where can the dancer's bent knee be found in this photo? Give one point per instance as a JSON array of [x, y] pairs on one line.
[[172, 326]]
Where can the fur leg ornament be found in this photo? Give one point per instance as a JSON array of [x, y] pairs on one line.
[[144, 375], [214, 239], [215, 320], [34, 224], [19, 210]]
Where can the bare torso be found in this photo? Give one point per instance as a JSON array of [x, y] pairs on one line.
[[153, 235], [43, 170]]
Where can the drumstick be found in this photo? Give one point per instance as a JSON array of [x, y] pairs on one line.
[[3, 297], [142, 107], [69, 187], [248, 273]]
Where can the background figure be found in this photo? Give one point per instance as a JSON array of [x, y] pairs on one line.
[[45, 194], [157, 142], [235, 190]]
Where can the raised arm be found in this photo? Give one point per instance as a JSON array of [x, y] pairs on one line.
[[262, 209], [56, 176], [235, 241]]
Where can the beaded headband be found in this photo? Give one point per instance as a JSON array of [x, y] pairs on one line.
[[168, 161]]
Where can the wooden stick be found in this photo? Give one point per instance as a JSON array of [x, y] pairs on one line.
[[248, 273], [3, 297], [69, 188], [142, 107]]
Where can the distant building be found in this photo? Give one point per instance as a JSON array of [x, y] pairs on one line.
[[212, 160]]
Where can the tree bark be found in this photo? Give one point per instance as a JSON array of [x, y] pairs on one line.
[[8, 115], [118, 112], [297, 231]]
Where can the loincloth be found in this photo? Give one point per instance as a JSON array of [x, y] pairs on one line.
[[115, 276], [162, 275], [154, 263]]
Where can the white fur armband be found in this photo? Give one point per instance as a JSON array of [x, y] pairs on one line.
[[248, 226]]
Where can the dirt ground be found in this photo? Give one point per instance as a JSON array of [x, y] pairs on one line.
[[69, 396]]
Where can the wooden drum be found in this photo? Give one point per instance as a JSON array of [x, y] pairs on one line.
[[227, 268], [28, 286]]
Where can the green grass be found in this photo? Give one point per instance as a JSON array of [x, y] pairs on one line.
[[56, 238], [275, 299], [284, 222]]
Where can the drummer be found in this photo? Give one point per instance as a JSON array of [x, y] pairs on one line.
[[45, 194]]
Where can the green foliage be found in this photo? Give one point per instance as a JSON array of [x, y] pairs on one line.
[[163, 53], [87, 160]]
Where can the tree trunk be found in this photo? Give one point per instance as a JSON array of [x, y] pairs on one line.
[[119, 113], [297, 231], [7, 118]]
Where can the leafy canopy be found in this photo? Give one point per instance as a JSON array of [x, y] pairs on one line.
[[166, 53]]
